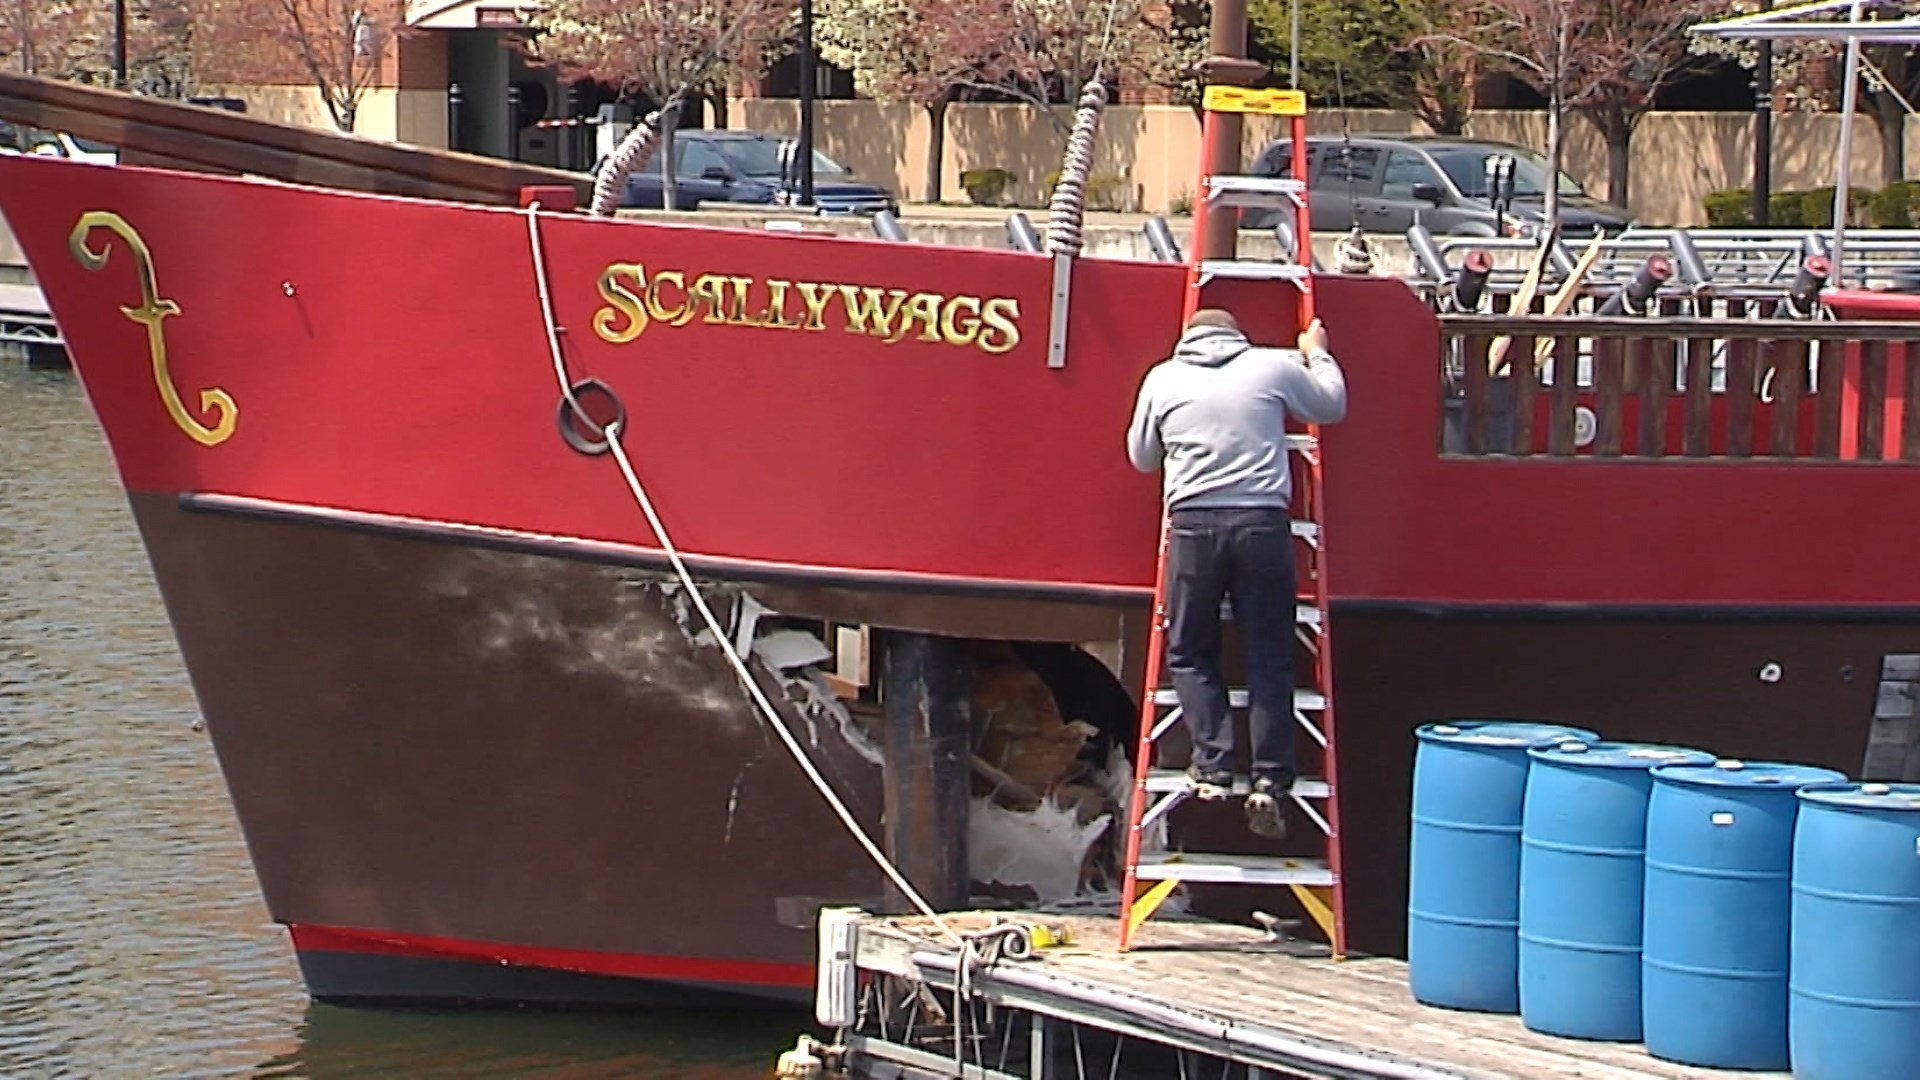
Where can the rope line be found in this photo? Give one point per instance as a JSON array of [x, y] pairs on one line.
[[612, 434]]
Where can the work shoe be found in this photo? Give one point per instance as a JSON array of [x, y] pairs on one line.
[[1263, 806], [1209, 784]]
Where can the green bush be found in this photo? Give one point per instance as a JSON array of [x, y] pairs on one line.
[[1786, 210], [1817, 207], [1895, 206], [1730, 208], [986, 186]]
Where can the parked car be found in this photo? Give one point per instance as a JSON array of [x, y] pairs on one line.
[[747, 167], [1386, 183]]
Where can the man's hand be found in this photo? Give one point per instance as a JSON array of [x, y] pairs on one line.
[[1314, 338]]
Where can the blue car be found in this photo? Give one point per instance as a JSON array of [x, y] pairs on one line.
[[750, 167]]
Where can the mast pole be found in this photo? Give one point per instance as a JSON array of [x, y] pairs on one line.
[[1216, 234]]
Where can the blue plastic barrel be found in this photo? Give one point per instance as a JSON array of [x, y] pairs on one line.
[[1854, 1009], [1582, 836], [1463, 901], [1713, 962]]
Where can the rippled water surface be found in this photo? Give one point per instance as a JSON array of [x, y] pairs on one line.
[[132, 938]]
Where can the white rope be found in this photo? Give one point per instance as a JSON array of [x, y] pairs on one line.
[[546, 314], [721, 637]]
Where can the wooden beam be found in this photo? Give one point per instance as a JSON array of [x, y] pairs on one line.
[[193, 136]]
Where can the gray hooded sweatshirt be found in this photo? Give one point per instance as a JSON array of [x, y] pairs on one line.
[[1216, 412]]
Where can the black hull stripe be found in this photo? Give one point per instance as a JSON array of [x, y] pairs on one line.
[[752, 570], [713, 566]]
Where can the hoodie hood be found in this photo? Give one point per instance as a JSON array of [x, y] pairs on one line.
[[1210, 346]]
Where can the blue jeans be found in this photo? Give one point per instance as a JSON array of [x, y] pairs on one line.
[[1246, 554]]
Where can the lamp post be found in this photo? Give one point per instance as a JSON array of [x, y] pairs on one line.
[[1763, 127], [805, 150], [119, 44]]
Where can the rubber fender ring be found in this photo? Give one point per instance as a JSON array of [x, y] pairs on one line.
[[580, 430]]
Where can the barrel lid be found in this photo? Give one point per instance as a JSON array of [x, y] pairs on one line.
[[1515, 733], [1618, 755], [1729, 772], [1866, 796]]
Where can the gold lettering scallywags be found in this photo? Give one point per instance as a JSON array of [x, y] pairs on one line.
[[636, 299]]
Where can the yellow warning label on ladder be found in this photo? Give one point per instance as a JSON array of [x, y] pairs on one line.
[[1240, 99]]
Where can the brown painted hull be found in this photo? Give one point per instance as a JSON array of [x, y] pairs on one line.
[[441, 742]]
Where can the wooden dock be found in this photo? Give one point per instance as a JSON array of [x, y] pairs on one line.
[[1196, 999], [27, 327]]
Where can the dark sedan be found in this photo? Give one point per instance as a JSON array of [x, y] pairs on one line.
[[751, 167]]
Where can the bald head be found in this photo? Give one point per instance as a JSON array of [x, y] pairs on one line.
[[1215, 317]]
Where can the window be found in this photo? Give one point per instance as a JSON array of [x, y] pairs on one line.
[[1404, 170], [696, 157], [1348, 166], [1467, 166]]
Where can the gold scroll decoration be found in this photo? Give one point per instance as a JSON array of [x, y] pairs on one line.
[[153, 310]]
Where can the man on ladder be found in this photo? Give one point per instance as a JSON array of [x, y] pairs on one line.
[[1214, 416]]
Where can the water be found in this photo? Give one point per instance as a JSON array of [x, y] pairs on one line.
[[133, 941]]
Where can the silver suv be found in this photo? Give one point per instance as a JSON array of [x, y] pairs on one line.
[[1387, 183]]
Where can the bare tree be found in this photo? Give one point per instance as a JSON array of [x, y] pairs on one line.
[[336, 45]]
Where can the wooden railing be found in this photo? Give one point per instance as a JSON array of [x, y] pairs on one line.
[[1653, 388]]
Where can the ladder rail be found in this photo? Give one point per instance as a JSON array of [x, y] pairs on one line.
[[1312, 619], [1143, 752]]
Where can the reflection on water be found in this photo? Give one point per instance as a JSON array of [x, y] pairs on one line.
[[132, 938]]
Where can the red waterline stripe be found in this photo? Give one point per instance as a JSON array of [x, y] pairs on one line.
[[630, 965]]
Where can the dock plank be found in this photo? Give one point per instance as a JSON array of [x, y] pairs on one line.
[[1235, 976]]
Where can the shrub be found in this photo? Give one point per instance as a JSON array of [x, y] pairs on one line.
[[1785, 210], [1107, 192], [986, 186], [1817, 207], [1894, 206], [1729, 208]]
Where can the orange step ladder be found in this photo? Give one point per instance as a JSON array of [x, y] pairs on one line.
[[1151, 877]]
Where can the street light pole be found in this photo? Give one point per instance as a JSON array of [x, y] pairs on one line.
[[805, 150], [119, 44], [1763, 128]]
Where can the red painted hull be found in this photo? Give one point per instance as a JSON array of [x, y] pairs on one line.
[[349, 367]]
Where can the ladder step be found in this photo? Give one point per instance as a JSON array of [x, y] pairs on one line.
[[1255, 191], [1299, 440], [1238, 698], [1249, 270], [1307, 530], [1235, 869], [1304, 614], [1167, 780]]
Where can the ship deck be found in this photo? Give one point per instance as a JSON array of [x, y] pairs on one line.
[[1212, 993]]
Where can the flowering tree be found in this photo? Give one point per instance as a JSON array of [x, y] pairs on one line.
[[337, 45], [63, 39], [660, 47], [927, 54], [1053, 47], [1809, 75]]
